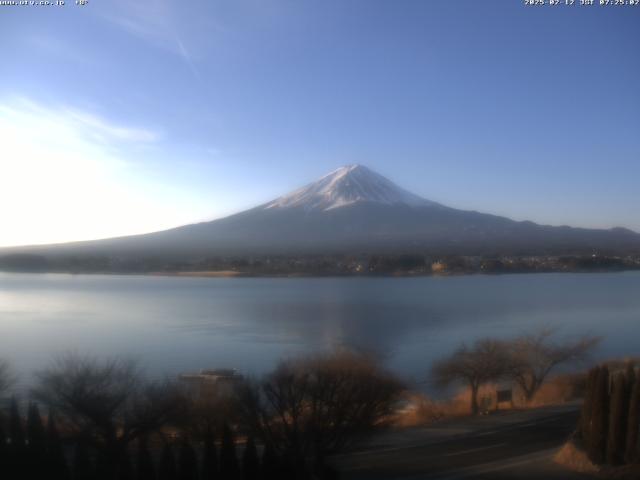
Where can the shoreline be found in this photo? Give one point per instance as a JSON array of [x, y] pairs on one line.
[[245, 274]]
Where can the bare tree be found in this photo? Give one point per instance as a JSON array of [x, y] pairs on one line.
[[313, 406], [534, 356], [485, 361], [106, 401]]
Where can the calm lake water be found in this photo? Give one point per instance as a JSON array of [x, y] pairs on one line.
[[180, 324]]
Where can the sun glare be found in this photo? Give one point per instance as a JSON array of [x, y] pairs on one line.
[[64, 179]]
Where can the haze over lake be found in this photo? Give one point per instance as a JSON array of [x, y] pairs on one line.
[[180, 324]]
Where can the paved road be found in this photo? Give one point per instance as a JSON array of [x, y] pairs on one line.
[[500, 446]]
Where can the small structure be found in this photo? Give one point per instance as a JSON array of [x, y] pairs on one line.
[[212, 382], [504, 396]]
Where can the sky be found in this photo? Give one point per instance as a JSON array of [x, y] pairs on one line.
[[122, 117]]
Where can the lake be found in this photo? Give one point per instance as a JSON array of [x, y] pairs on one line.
[[176, 324]]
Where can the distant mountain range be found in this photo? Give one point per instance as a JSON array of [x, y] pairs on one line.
[[352, 210]]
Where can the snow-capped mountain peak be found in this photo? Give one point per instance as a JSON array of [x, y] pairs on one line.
[[345, 186]]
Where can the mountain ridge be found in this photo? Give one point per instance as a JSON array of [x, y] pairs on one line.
[[352, 209]]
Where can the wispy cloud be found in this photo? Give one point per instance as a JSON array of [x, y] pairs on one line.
[[68, 121], [153, 21], [100, 128], [186, 56]]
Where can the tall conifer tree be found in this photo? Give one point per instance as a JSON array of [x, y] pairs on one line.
[[36, 443], [632, 448], [617, 421], [270, 463], [250, 461], [125, 469], [56, 460], [16, 431], [587, 406], [144, 465], [16, 465], [597, 446], [4, 455], [209, 457], [82, 464], [630, 375], [187, 462], [229, 469], [167, 469]]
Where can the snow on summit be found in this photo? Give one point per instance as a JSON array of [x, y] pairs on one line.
[[345, 186]]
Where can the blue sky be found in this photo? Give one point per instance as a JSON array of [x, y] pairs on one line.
[[124, 117]]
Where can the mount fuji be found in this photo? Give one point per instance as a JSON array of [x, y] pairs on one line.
[[347, 186], [353, 210]]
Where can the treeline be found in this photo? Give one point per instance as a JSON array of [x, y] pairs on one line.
[[106, 421], [610, 419], [338, 264]]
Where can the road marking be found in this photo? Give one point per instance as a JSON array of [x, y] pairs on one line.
[[471, 450]]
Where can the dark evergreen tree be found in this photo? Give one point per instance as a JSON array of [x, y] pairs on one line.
[[16, 432], [56, 460], [167, 469], [209, 457], [36, 444], [187, 462], [587, 405], [229, 469], [35, 430], [106, 463], [250, 461], [125, 469], [327, 472], [630, 375], [597, 446], [145, 468], [617, 421], [82, 465], [17, 461], [290, 468], [270, 463], [632, 447], [4, 454]]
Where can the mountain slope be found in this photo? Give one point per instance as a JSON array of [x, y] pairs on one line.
[[354, 210]]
